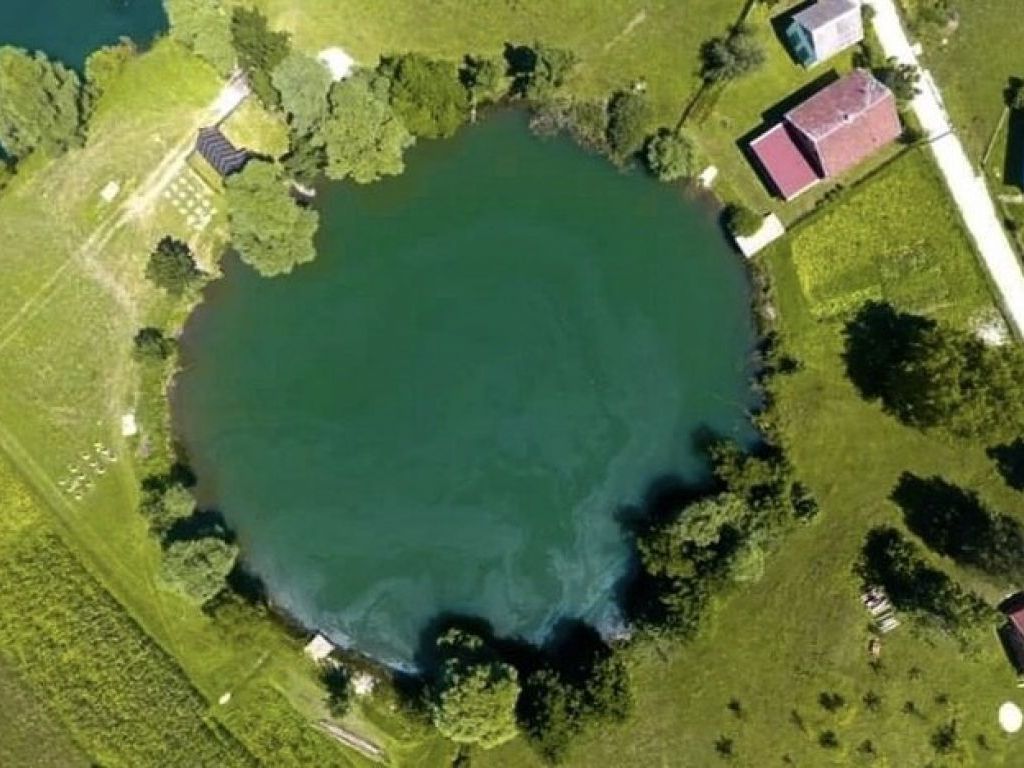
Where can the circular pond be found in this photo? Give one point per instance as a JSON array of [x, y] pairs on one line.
[[493, 355]]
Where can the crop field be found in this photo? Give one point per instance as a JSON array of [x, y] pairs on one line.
[[908, 247]]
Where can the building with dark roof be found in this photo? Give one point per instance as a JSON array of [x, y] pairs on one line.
[[823, 29], [223, 156], [837, 128]]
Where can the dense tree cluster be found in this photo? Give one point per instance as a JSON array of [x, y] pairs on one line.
[[474, 698], [102, 68], [205, 27], [958, 524], [733, 56], [933, 376], [629, 115], [260, 51], [919, 589], [197, 568], [303, 83], [428, 95], [718, 538], [272, 232], [40, 104]]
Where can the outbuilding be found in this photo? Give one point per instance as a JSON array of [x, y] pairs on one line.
[[221, 155], [820, 31]]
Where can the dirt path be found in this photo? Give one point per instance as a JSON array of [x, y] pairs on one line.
[[626, 31], [967, 187]]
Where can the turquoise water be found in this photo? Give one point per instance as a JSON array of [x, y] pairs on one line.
[[70, 30], [493, 355]]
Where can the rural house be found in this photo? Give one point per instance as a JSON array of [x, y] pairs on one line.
[[223, 156], [1012, 632], [837, 128], [822, 30]]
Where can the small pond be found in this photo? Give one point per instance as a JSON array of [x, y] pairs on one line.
[[493, 356]]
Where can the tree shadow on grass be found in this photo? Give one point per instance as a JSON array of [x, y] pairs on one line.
[[949, 519], [877, 339], [1009, 459]]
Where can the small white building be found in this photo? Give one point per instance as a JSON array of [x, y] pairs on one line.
[[822, 30], [319, 648]]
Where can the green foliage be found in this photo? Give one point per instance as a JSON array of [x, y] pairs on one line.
[[921, 590], [629, 114], [102, 69], [104, 678], [303, 83], [197, 568], [484, 77], [426, 94], [475, 697], [669, 156], [339, 689], [902, 80], [933, 376], [958, 524], [205, 27], [364, 138], [152, 345], [742, 221], [173, 267], [551, 67], [270, 230], [731, 57], [39, 104], [165, 502], [260, 51]]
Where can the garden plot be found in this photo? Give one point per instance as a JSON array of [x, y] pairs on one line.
[[192, 199]]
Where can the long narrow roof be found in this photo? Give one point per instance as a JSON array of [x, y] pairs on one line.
[[825, 12], [220, 153], [782, 160]]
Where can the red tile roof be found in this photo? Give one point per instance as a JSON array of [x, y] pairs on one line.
[[1017, 618], [847, 121], [783, 161]]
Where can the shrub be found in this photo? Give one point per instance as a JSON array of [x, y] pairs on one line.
[[152, 345], [629, 113], [727, 58], [197, 568], [427, 95], [742, 221], [172, 266], [669, 156]]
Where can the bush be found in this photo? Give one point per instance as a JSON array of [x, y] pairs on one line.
[[629, 114], [742, 221], [669, 156], [197, 568], [173, 267], [731, 57], [152, 345], [427, 95], [260, 52]]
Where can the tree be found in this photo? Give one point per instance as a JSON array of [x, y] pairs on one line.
[[742, 221], [197, 568], [426, 94], [364, 138], [475, 697], [902, 80], [484, 78], [205, 27], [550, 714], [669, 156], [551, 68], [102, 69], [339, 689], [629, 113], [151, 344], [173, 267], [936, 377], [303, 83], [39, 104], [260, 51], [731, 57], [272, 232]]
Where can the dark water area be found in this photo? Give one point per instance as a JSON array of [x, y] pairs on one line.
[[69, 30], [493, 356]]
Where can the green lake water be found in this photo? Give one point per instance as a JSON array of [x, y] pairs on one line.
[[493, 355], [70, 30]]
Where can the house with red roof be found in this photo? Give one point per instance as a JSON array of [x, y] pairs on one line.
[[834, 130], [1012, 632]]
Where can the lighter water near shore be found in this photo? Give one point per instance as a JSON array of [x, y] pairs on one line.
[[493, 357]]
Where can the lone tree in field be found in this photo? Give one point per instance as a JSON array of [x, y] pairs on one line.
[[197, 568], [474, 700], [205, 27], [271, 231], [427, 94], [172, 266], [39, 104], [669, 156], [731, 57], [364, 138]]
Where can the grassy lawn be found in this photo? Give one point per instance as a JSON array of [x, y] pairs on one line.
[[775, 646]]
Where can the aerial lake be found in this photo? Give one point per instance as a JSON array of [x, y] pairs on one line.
[[69, 30], [493, 357]]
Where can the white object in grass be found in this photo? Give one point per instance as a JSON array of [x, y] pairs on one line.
[[707, 177], [109, 192], [770, 231], [129, 426], [319, 648], [338, 63], [1010, 717]]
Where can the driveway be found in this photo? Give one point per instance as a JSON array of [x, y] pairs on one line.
[[967, 187]]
